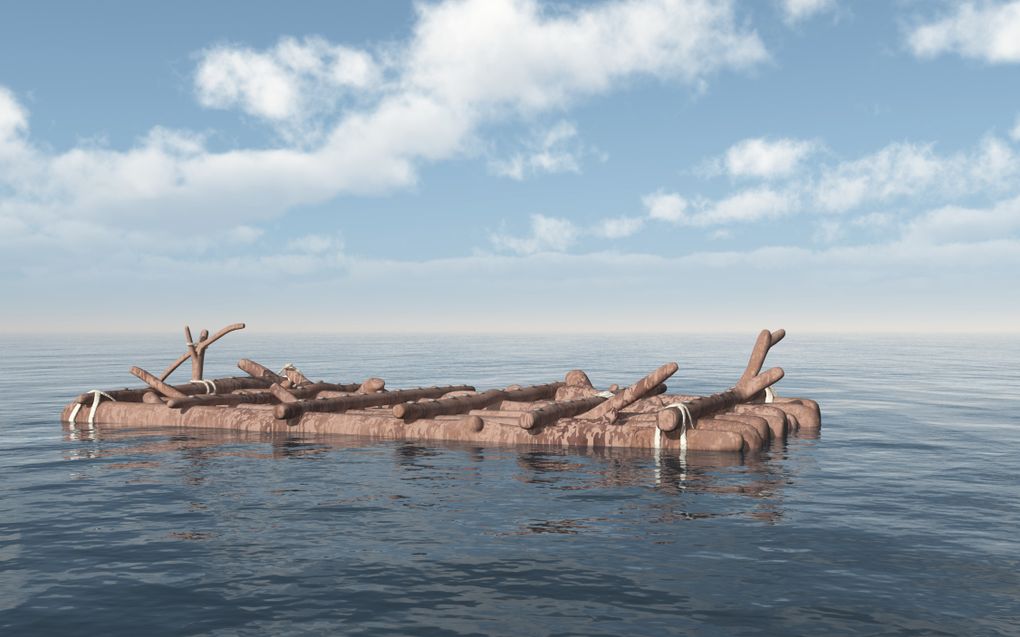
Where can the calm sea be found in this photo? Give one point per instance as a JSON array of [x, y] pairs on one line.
[[901, 518]]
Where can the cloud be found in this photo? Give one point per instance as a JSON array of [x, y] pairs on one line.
[[555, 151], [988, 31], [13, 117], [902, 170], [351, 121], [1014, 133], [548, 234], [618, 227], [798, 10], [955, 224], [665, 206], [291, 81], [766, 159], [744, 206]]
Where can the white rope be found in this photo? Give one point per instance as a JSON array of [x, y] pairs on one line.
[[210, 386], [686, 422], [74, 413], [97, 396], [770, 396]]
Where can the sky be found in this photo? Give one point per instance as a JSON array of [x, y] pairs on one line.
[[511, 166]]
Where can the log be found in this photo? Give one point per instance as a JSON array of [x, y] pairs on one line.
[[223, 386], [282, 394], [548, 414], [752, 382], [261, 372], [410, 412], [611, 408], [254, 398], [361, 401], [156, 383]]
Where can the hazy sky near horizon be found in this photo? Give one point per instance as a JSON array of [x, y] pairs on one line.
[[494, 165]]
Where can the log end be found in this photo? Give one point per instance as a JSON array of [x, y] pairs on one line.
[[577, 378], [528, 420], [371, 385], [667, 419]]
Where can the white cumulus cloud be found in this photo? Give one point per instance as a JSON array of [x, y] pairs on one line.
[[665, 206], [290, 81], [766, 158], [988, 31]]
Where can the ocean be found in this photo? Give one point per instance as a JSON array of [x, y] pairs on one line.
[[901, 517]]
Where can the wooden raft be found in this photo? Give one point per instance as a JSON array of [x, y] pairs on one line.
[[746, 417]]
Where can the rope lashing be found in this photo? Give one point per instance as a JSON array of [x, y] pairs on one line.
[[210, 386], [97, 395], [686, 422]]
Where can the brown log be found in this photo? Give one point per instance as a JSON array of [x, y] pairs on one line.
[[261, 372], [610, 408], [808, 414], [752, 441], [360, 401], [410, 412], [550, 413], [156, 383], [253, 398], [751, 384], [282, 394], [577, 378], [371, 385], [223, 386], [775, 417]]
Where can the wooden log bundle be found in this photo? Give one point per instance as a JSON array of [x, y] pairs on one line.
[[747, 416]]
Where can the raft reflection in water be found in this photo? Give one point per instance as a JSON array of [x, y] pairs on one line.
[[691, 486]]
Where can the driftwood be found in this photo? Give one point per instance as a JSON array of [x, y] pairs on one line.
[[611, 408], [260, 372], [157, 384], [548, 414], [287, 411], [223, 386], [248, 398], [196, 351], [751, 383], [409, 412]]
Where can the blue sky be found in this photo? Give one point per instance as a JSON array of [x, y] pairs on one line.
[[495, 165]]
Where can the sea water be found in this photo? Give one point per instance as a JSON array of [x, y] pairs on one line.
[[901, 518]]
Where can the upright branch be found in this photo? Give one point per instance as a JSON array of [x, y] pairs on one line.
[[196, 350], [752, 382]]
